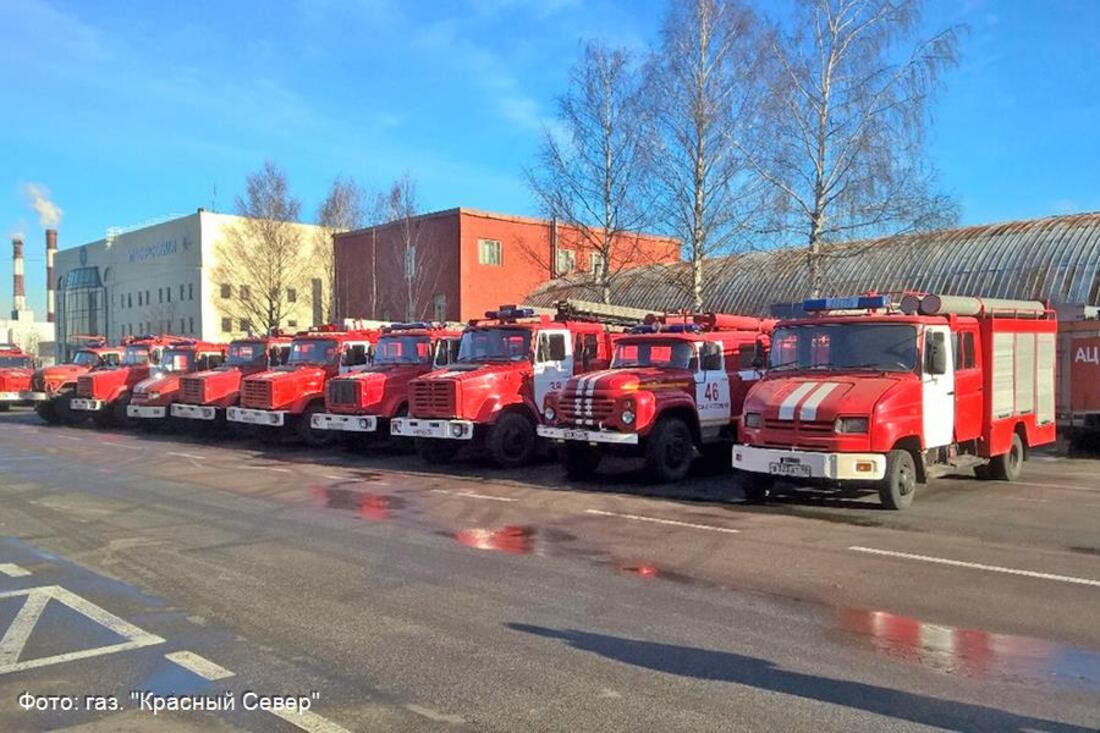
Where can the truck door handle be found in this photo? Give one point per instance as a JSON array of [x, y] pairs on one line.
[[951, 392]]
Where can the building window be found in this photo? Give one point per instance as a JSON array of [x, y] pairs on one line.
[[292, 323], [191, 325], [291, 295], [190, 291], [148, 300], [410, 262], [439, 307], [318, 302], [227, 325], [139, 299], [130, 300], [227, 291], [566, 261], [488, 252], [244, 292], [183, 325], [246, 325], [596, 265], [168, 293], [160, 295], [181, 291]]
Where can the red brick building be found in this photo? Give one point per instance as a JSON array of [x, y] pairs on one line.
[[456, 264]]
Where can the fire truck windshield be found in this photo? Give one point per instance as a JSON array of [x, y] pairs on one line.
[[314, 351], [135, 356], [890, 347], [177, 361], [86, 358], [661, 354], [15, 362], [403, 350], [243, 353], [494, 344]]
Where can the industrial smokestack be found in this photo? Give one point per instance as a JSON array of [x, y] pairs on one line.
[[19, 294], [51, 295]]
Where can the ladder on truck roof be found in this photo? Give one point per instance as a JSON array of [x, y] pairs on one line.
[[587, 310]]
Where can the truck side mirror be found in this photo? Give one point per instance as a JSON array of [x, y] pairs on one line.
[[935, 357]]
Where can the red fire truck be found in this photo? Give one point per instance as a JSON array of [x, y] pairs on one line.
[[493, 393], [288, 397], [862, 392], [104, 393], [205, 395], [52, 387], [1079, 373], [676, 385], [152, 397], [16, 370], [364, 402]]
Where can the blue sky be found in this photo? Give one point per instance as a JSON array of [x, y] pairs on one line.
[[131, 111]]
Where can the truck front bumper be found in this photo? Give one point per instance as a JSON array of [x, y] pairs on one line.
[[411, 427], [194, 412], [86, 404], [346, 423], [10, 397], [270, 418], [147, 412], [810, 464], [587, 436], [34, 396]]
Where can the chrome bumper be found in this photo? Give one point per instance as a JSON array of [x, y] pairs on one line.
[[810, 464], [87, 405], [347, 423], [410, 427], [146, 412], [194, 412], [271, 418]]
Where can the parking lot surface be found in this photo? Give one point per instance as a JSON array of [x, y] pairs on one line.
[[361, 590]]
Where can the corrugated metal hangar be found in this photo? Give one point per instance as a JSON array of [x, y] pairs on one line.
[[1055, 258]]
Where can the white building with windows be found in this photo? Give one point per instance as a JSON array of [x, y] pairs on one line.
[[160, 278]]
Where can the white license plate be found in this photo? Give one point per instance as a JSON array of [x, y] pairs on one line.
[[425, 432], [575, 435], [255, 418], [789, 469]]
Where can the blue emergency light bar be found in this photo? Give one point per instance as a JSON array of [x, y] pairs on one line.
[[510, 312], [851, 303]]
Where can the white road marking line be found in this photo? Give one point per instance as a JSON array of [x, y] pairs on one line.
[[192, 456], [69, 437], [656, 520], [13, 571], [435, 715], [333, 478], [266, 468], [11, 646], [120, 445], [309, 721], [201, 666], [977, 566], [473, 495]]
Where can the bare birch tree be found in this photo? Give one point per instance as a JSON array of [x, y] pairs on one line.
[[417, 261], [342, 210], [265, 255], [852, 110], [597, 179], [708, 81]]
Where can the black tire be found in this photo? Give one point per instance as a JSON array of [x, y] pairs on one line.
[[580, 460], [670, 450], [897, 488], [437, 451], [400, 443], [47, 410], [119, 418], [4, 407], [1009, 466], [310, 436], [756, 486], [512, 440]]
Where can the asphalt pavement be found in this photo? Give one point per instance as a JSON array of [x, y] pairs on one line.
[[281, 589]]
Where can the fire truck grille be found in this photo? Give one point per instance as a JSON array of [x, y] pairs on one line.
[[84, 387], [584, 410], [256, 394], [433, 398], [814, 428], [192, 390], [343, 392]]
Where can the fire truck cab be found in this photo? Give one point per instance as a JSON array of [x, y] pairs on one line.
[[288, 396], [52, 387], [153, 396], [104, 393], [16, 370], [365, 401], [493, 392], [865, 392], [206, 394], [675, 386]]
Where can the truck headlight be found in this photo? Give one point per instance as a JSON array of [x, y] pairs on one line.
[[851, 425], [458, 430], [753, 420], [548, 412], [627, 417]]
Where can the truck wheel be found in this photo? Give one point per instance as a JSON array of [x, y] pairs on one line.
[[670, 450], [311, 437], [4, 407], [897, 488], [1009, 466], [119, 418], [756, 486], [580, 460], [512, 441], [48, 412], [436, 451]]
